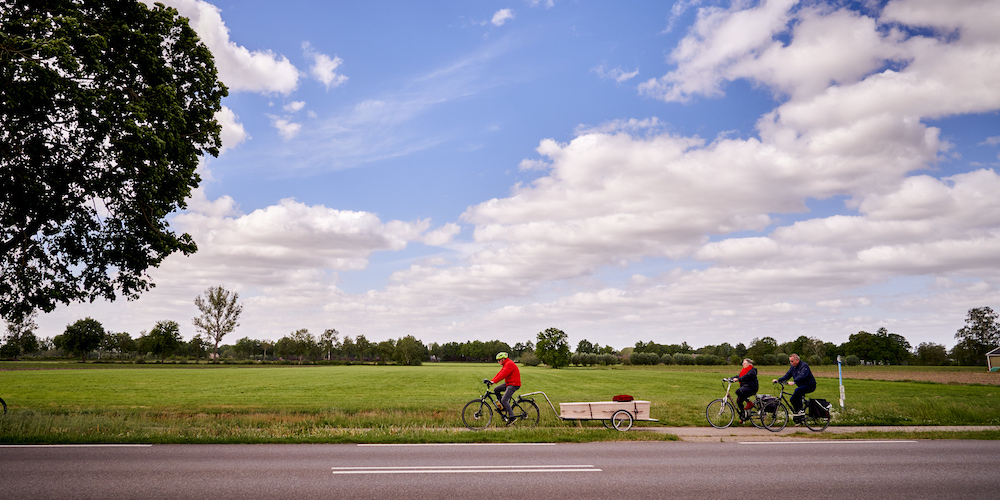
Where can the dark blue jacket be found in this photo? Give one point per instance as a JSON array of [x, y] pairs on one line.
[[801, 374]]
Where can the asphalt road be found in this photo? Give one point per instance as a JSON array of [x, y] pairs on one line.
[[781, 469]]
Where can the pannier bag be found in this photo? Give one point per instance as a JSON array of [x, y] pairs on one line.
[[819, 408], [769, 404], [622, 398]]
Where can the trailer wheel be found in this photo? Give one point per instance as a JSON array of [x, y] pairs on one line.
[[622, 420]]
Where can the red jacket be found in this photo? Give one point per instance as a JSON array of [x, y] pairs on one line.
[[509, 372]]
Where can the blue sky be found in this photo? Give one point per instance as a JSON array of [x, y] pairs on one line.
[[696, 171]]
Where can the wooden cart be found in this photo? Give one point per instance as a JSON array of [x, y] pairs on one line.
[[619, 415]]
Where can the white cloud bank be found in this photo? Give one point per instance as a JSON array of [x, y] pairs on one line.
[[851, 125]]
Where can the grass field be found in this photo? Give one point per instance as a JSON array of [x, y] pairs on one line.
[[69, 402]]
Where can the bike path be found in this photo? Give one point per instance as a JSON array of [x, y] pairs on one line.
[[749, 432]]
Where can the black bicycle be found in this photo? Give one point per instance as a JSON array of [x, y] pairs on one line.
[[775, 410], [4, 404], [478, 413]]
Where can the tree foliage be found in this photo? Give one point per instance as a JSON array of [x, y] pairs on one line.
[[980, 335], [20, 338], [931, 354], [220, 314], [880, 347], [552, 347], [163, 340], [105, 108], [81, 337]]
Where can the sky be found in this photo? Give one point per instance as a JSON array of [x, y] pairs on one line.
[[695, 171]]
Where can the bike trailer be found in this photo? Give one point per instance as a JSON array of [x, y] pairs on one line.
[[602, 410]]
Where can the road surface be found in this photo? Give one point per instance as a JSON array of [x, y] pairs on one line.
[[781, 469]]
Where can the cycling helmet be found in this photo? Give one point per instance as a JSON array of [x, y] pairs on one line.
[[501, 355]]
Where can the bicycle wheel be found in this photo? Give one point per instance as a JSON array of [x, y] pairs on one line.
[[477, 414], [775, 420], [622, 420], [2, 402], [526, 412], [816, 424], [720, 413]]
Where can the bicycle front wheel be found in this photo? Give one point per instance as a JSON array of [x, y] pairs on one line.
[[720, 413], [477, 414], [525, 413], [774, 420], [2, 402]]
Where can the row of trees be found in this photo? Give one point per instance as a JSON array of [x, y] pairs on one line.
[[87, 337]]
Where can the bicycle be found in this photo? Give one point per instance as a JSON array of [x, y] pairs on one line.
[[478, 413], [775, 412], [721, 412]]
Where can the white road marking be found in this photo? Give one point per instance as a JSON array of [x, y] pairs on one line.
[[456, 469], [838, 441]]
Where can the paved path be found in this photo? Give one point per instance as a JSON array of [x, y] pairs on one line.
[[749, 432]]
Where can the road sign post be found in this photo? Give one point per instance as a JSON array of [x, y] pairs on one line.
[[840, 373]]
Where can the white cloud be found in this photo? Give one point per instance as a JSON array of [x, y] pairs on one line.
[[292, 235], [294, 106], [287, 129], [239, 68], [617, 74], [442, 235], [233, 133], [502, 16], [324, 68]]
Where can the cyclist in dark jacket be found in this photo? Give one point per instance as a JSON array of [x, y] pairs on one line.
[[748, 387], [802, 377]]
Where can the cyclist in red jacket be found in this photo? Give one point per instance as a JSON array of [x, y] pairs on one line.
[[511, 381]]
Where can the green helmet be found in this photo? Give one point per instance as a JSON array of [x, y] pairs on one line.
[[502, 355]]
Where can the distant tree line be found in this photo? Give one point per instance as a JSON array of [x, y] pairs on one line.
[[87, 339]]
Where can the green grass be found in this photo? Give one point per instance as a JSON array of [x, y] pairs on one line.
[[386, 404]]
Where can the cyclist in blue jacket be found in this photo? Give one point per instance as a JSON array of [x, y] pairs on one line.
[[802, 377]]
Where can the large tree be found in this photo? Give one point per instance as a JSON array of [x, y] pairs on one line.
[[20, 338], [81, 337], [220, 314], [553, 347], [163, 340], [980, 335], [105, 108]]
